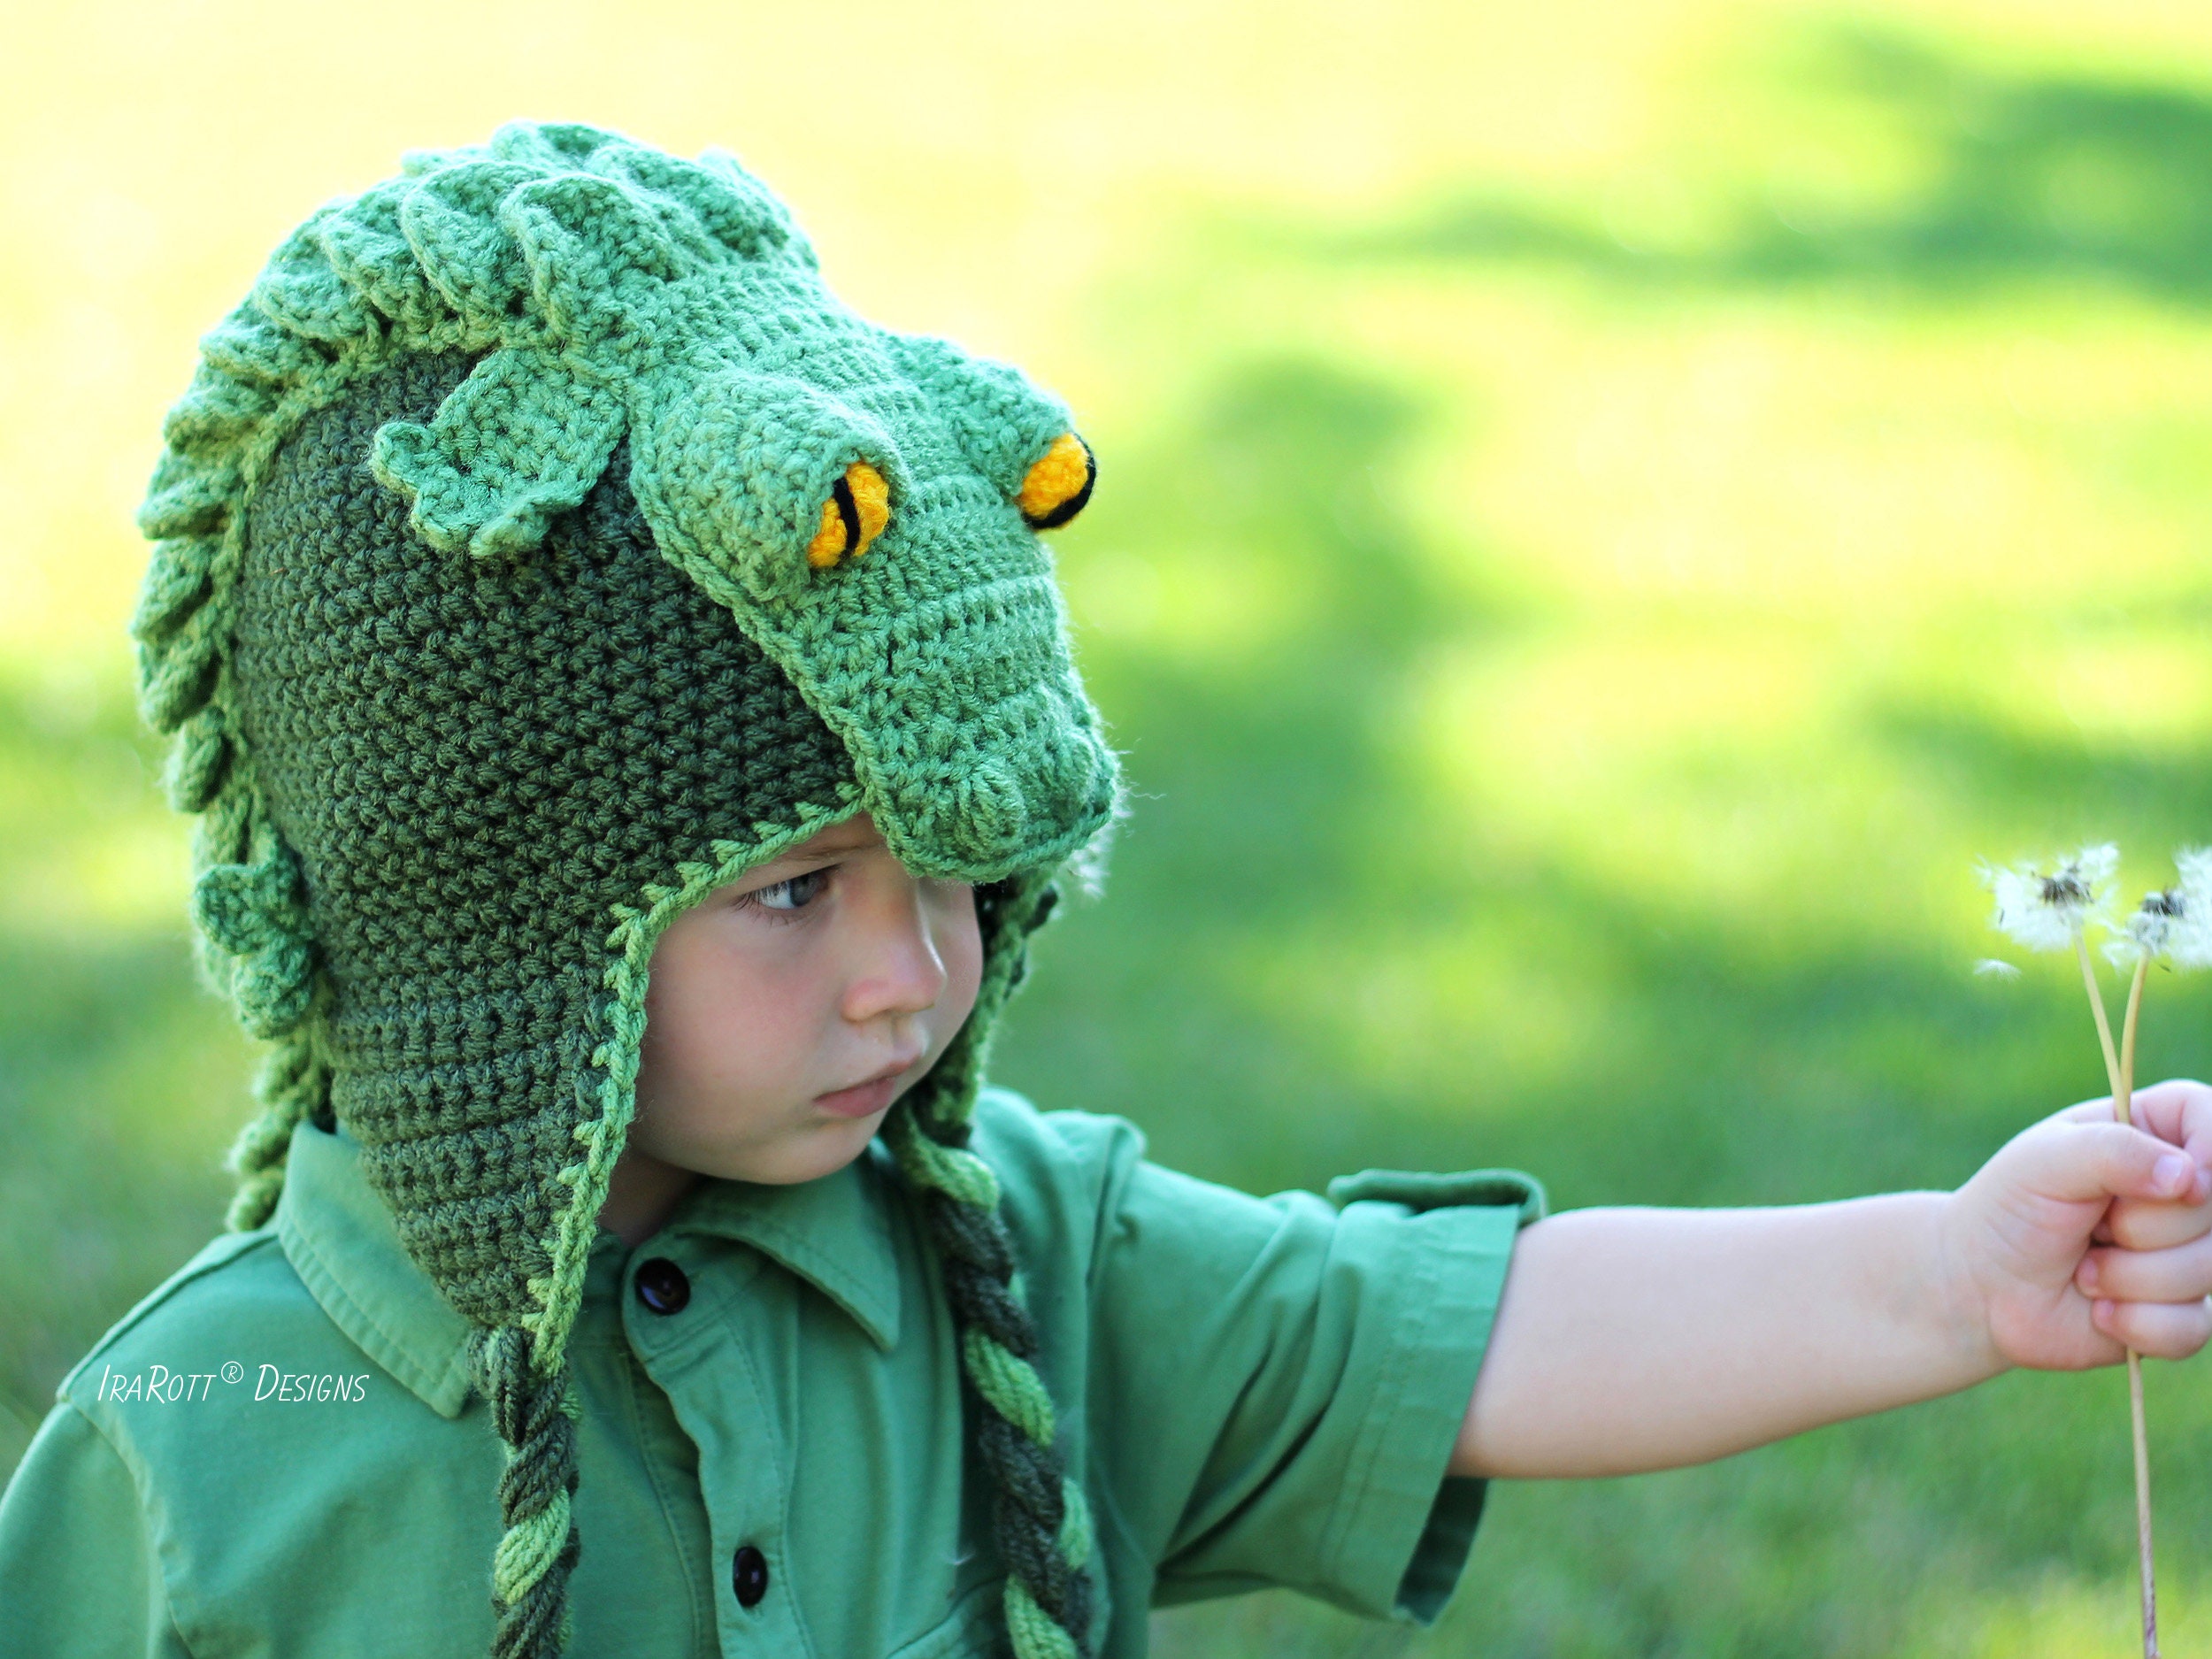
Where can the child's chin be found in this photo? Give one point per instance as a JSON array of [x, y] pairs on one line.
[[822, 1148]]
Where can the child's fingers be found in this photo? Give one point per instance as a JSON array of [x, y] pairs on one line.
[[2163, 1329], [2139, 1225], [2179, 1111], [2180, 1274], [2083, 1163]]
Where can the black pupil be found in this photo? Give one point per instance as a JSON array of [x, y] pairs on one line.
[[848, 512], [799, 889]]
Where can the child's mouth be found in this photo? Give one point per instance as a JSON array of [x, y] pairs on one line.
[[864, 1100]]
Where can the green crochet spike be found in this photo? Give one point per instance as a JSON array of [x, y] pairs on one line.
[[520, 441]]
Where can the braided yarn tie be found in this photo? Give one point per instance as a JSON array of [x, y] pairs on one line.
[[539, 1549], [1043, 1524], [292, 1083]]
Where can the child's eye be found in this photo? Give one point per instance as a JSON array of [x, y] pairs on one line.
[[795, 892]]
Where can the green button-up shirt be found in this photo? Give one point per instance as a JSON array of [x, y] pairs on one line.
[[277, 1452]]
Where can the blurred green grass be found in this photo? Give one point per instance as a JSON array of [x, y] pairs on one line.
[[1571, 628]]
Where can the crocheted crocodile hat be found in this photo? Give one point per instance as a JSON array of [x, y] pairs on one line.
[[540, 547]]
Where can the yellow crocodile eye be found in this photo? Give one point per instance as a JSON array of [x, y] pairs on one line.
[[1057, 487], [858, 508]]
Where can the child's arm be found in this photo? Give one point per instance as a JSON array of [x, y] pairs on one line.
[[1632, 1340]]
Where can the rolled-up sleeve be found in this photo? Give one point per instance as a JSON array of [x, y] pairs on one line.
[[77, 1574], [1290, 1375]]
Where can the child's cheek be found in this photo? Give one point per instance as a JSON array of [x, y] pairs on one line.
[[960, 947], [720, 1036], [963, 977]]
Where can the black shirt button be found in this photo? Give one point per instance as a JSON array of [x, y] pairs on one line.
[[662, 1286], [748, 1575]]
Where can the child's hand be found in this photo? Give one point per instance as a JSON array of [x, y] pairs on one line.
[[2081, 1237]]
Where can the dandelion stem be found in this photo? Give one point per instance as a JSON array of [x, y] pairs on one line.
[[2124, 1086], [2122, 1101], [2104, 1025], [2143, 1504]]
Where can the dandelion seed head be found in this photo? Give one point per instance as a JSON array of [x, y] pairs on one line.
[[2045, 907], [2196, 865], [2152, 931], [2189, 934]]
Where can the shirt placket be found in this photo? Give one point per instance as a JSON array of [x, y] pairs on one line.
[[685, 1317]]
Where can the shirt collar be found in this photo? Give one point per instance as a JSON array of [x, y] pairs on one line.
[[341, 1238], [344, 1245], [834, 1232]]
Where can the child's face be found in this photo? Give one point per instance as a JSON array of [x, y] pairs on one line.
[[787, 1011]]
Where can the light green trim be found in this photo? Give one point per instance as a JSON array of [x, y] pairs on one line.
[[637, 930], [1075, 1539], [293, 1081]]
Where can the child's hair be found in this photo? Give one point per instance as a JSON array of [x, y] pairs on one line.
[[541, 547]]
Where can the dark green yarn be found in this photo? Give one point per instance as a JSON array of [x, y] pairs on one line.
[[475, 763], [474, 760], [976, 1259], [462, 1000]]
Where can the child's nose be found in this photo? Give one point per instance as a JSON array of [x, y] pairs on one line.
[[900, 970]]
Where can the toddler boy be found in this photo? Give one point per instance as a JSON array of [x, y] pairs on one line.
[[634, 734]]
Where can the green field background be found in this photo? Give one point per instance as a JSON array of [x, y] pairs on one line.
[[1606, 511]]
